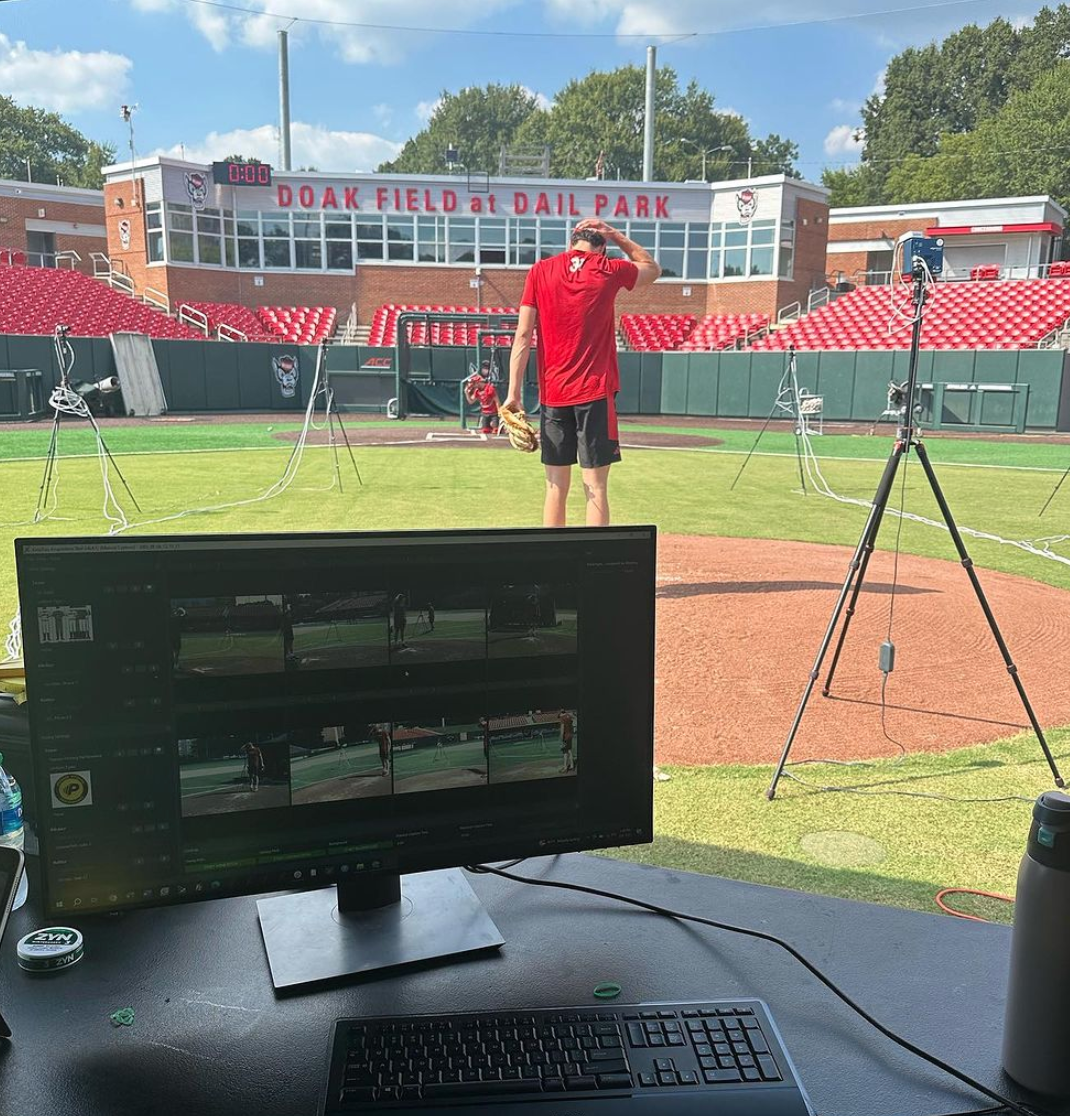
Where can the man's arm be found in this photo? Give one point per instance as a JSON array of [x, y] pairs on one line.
[[649, 268], [518, 358]]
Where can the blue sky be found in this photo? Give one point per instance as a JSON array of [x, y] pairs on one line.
[[205, 77]]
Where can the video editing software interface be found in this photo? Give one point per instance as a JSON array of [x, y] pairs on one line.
[[220, 715]]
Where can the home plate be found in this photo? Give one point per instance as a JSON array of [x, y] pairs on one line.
[[438, 436]]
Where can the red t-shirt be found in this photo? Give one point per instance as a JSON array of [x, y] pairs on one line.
[[488, 399], [574, 295]]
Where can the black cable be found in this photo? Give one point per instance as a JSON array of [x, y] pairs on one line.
[[667, 912]]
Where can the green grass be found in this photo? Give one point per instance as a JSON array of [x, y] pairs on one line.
[[709, 819]]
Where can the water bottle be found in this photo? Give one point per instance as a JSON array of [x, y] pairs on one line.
[[1036, 1031], [11, 830]]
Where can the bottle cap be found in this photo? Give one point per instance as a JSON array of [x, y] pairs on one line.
[[50, 949]]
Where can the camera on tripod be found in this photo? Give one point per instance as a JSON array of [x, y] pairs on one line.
[[922, 255]]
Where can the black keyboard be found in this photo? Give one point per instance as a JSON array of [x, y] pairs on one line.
[[642, 1055]]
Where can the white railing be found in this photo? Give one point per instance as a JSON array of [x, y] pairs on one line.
[[70, 257], [101, 265], [122, 282], [195, 319], [790, 313], [348, 334], [819, 296], [156, 298], [226, 332], [1057, 338]]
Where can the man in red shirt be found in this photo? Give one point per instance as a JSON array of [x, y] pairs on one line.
[[573, 297]]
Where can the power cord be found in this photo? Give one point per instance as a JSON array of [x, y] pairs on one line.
[[1003, 1103]]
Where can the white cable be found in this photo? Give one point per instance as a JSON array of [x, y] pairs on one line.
[[13, 643]]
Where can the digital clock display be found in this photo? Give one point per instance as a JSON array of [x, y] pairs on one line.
[[241, 174]]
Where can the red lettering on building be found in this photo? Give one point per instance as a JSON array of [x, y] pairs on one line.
[[351, 197], [397, 200], [412, 202], [306, 197], [642, 206], [542, 204], [572, 210], [286, 196], [661, 205], [429, 207], [329, 200], [621, 208], [449, 200], [475, 205], [380, 197], [492, 203], [520, 203], [601, 201]]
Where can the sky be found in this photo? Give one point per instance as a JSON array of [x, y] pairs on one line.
[[204, 73]]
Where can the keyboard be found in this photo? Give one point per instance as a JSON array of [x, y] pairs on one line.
[[673, 1058]]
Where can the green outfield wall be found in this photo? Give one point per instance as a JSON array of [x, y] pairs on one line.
[[974, 389]]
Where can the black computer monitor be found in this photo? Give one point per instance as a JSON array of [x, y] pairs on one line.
[[223, 715]]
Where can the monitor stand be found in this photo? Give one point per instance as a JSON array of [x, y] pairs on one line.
[[372, 923]]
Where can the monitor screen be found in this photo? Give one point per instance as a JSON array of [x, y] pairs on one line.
[[223, 715]]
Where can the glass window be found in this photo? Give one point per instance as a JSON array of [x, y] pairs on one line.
[[277, 253], [248, 228], [308, 254], [208, 250], [696, 264], [155, 247], [276, 224], [762, 236], [785, 262], [370, 240], [735, 262], [462, 239], [644, 233], [492, 240], [154, 216], [735, 237], [208, 224], [307, 228], [339, 228], [248, 253], [180, 247], [715, 263], [672, 236], [672, 262], [339, 255], [553, 238], [761, 261], [180, 217], [431, 239], [399, 235], [523, 240]]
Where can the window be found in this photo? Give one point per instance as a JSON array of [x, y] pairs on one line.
[[156, 247], [698, 246], [786, 255], [180, 218], [276, 253], [399, 237], [553, 238], [462, 240], [761, 261], [154, 215], [339, 228], [308, 254], [276, 224], [492, 240], [431, 239], [249, 253], [522, 243], [180, 247], [370, 241], [339, 255]]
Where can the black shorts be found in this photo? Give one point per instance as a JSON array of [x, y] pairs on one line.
[[586, 432]]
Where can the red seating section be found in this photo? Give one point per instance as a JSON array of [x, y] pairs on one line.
[[985, 272], [1009, 314], [235, 316], [384, 328], [1059, 270], [37, 299], [301, 325], [648, 333]]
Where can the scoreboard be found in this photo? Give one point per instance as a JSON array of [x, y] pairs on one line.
[[241, 174]]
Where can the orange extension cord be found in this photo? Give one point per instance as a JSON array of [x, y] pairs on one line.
[[967, 891]]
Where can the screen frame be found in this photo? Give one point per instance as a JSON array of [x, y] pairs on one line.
[[644, 536]]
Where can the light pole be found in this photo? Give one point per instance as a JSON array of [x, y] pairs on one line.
[[707, 151]]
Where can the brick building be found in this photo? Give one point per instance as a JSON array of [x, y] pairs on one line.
[[358, 241], [41, 221]]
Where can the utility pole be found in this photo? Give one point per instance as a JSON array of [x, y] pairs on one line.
[[284, 99], [648, 120]]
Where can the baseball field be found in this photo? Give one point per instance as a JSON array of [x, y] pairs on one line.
[[925, 781]]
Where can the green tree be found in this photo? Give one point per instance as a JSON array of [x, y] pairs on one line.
[[1023, 149], [477, 121], [602, 114], [55, 149]]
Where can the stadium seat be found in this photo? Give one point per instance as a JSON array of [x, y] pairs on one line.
[[384, 326]]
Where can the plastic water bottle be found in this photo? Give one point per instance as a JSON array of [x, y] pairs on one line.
[[11, 830], [1036, 1033]]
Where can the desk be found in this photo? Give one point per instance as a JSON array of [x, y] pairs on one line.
[[211, 1038]]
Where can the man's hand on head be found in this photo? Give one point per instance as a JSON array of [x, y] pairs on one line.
[[595, 225]]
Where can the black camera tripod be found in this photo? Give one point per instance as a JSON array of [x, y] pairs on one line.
[[907, 437]]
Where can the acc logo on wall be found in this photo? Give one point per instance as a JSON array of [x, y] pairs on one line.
[[124, 235], [197, 188], [747, 203], [287, 372]]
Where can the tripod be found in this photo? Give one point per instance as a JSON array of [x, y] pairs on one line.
[[66, 401], [322, 386], [907, 437], [787, 399]]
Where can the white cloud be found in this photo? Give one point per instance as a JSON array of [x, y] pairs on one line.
[[426, 109], [541, 100], [64, 81], [841, 104], [368, 43], [310, 145], [384, 114], [844, 140]]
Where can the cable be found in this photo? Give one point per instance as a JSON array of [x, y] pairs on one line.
[[846, 18], [967, 891], [761, 935]]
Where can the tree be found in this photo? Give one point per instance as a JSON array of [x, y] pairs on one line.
[[1022, 149], [602, 114], [476, 121], [252, 160], [55, 149]]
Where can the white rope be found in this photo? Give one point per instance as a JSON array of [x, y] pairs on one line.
[[13, 643]]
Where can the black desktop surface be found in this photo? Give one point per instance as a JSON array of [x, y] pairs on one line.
[[211, 1037]]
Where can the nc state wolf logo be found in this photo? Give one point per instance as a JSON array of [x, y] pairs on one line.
[[287, 373], [197, 188], [747, 203]]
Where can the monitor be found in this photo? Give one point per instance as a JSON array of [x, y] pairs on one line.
[[221, 715]]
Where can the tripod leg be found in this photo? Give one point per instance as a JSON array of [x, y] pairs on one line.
[[345, 438], [869, 535], [971, 573], [1055, 491], [798, 458], [765, 425], [111, 460], [46, 477], [334, 446]]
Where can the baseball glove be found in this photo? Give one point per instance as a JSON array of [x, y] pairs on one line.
[[522, 435]]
